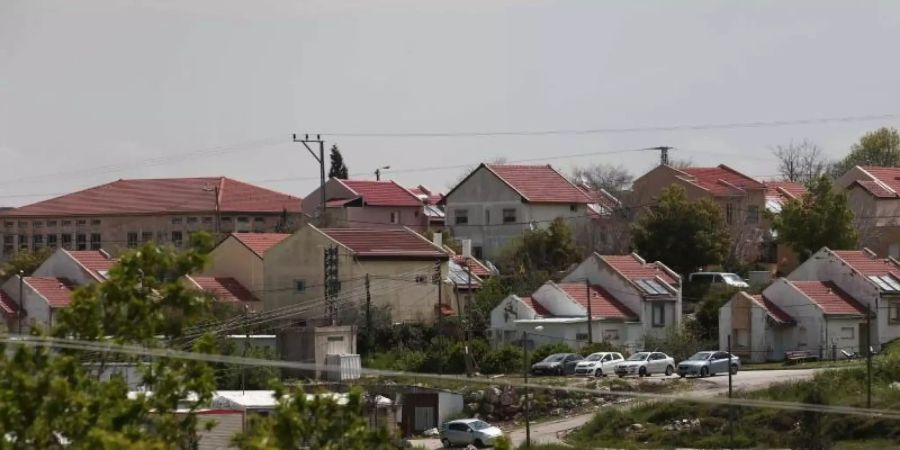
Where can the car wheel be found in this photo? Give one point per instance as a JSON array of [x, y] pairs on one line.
[[478, 443], [621, 375], [680, 375], [669, 370], [704, 372], [734, 369], [642, 372], [445, 443], [598, 373]]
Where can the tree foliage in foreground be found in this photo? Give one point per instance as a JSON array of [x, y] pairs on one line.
[[684, 235], [822, 217]]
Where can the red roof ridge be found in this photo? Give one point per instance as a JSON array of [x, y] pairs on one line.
[[259, 248], [493, 167]]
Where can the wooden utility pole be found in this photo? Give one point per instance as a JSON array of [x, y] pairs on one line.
[[369, 340], [590, 323], [320, 158]]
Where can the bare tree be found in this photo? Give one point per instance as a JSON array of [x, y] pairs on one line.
[[612, 178], [800, 162]]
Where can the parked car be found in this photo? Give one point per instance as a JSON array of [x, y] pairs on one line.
[[469, 431], [726, 278], [645, 364], [557, 364], [598, 364], [704, 364]]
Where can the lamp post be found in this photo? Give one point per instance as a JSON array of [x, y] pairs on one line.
[[378, 172], [527, 401]]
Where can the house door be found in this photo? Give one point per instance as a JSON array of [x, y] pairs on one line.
[[863, 338]]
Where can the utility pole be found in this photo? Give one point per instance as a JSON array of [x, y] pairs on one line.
[[246, 347], [468, 310], [590, 323], [21, 299], [369, 336], [332, 285], [437, 278], [869, 357], [663, 154], [320, 158], [527, 402], [730, 406]]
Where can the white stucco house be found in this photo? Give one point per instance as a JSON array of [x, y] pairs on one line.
[[820, 307], [629, 299]]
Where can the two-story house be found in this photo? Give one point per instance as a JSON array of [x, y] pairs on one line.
[[629, 300], [122, 214], [823, 306], [778, 193], [496, 203], [369, 204], [392, 267], [874, 194]]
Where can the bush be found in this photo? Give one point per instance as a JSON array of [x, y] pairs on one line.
[[506, 359], [679, 343], [604, 346], [548, 349]]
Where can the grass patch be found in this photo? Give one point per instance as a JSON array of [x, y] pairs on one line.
[[827, 364]]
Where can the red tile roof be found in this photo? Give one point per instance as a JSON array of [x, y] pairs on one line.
[[57, 291], [868, 264], [7, 304], [600, 196], [260, 243], [168, 195], [539, 184], [382, 193], [385, 243], [633, 268], [720, 180], [536, 307], [475, 266], [447, 310], [603, 304], [829, 297], [426, 195], [94, 261], [889, 177], [785, 190], [876, 189], [225, 289], [773, 310]]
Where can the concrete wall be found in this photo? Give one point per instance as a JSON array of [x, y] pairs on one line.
[[503, 319], [809, 333], [449, 404], [233, 259], [62, 265], [114, 230]]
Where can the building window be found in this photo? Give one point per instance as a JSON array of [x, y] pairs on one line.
[[9, 244], [38, 223], [395, 217], [176, 238], [659, 315], [573, 207], [192, 220], [226, 219], [80, 242], [66, 241], [753, 215], [207, 220], [23, 224], [462, 216], [243, 219], [847, 333], [422, 279], [37, 241], [95, 241], [9, 224], [478, 252], [23, 242], [801, 336], [146, 236], [51, 223], [487, 217], [894, 312], [95, 222], [509, 215], [51, 240], [177, 220], [259, 219], [299, 285], [610, 335], [729, 213], [132, 240], [67, 223], [81, 222]]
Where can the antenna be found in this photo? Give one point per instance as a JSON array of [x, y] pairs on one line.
[[663, 154]]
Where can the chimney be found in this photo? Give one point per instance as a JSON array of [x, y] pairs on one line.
[[438, 239], [467, 248]]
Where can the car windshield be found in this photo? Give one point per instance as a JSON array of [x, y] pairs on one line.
[[595, 357], [700, 356], [479, 425], [732, 277], [638, 356], [555, 358]]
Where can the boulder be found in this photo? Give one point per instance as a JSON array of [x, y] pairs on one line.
[[508, 397], [492, 394], [471, 407], [431, 432], [488, 408]]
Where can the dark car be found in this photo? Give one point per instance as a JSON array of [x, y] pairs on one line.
[[557, 364]]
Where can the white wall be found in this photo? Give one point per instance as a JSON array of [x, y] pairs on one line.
[[61, 264], [37, 310], [808, 316], [449, 404]]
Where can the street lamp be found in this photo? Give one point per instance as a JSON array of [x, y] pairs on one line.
[[527, 401], [378, 172]]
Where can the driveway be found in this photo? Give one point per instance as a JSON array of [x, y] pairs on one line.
[[551, 431]]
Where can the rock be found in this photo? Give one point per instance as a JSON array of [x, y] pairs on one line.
[[895, 385], [556, 412], [508, 397], [635, 428], [431, 432], [488, 408], [477, 396], [669, 428], [492, 394]]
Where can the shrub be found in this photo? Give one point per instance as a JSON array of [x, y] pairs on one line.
[[548, 349], [506, 359], [679, 343], [604, 346]]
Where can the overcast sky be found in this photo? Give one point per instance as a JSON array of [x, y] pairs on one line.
[[96, 90]]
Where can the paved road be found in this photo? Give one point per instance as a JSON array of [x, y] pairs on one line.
[[549, 432]]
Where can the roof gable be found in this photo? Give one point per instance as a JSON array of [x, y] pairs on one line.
[[885, 181], [602, 303], [772, 310], [164, 195], [382, 193], [536, 307], [385, 243], [260, 243]]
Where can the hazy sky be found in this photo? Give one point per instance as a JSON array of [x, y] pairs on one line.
[[96, 90]]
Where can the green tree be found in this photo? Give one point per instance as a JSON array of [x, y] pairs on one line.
[[822, 217], [875, 148], [491, 293], [682, 234], [26, 261], [318, 423], [338, 168], [706, 317], [540, 255]]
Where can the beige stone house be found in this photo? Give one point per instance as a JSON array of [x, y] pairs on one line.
[[875, 200], [288, 271], [122, 214]]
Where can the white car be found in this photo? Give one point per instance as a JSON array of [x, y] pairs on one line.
[[599, 364], [469, 432], [645, 364]]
